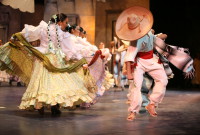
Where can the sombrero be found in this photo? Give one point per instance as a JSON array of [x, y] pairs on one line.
[[133, 23]]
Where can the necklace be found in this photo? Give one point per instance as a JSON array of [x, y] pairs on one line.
[[52, 49]]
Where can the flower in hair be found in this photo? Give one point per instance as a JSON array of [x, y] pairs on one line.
[[54, 16]]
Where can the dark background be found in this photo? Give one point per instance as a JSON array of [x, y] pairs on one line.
[[180, 20]]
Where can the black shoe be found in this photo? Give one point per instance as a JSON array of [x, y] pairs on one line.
[[58, 109], [55, 110], [115, 86], [78, 106], [10, 82], [41, 111], [19, 84], [126, 86]]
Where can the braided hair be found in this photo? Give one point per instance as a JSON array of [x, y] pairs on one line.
[[54, 20]]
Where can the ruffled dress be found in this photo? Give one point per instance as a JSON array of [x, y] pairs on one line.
[[76, 48], [50, 88]]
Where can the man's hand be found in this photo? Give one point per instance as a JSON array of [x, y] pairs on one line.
[[130, 76], [129, 71]]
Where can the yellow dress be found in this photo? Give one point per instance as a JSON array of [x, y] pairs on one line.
[[49, 81], [108, 81], [48, 88]]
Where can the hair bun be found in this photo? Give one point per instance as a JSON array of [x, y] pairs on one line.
[[58, 17]]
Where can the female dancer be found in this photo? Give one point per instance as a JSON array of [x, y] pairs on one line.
[[76, 47], [51, 80]]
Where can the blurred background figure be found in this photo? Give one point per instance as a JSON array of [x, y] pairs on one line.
[[4, 77], [116, 60], [122, 50], [14, 79], [118, 51]]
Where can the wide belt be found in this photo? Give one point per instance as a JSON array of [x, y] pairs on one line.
[[145, 55]]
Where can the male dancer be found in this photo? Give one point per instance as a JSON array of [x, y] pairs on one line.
[[134, 24]]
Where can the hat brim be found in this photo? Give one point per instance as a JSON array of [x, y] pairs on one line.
[[146, 23]]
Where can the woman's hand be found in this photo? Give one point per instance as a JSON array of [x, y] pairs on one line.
[[66, 58], [85, 66]]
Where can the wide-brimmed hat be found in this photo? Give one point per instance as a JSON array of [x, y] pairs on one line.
[[133, 23]]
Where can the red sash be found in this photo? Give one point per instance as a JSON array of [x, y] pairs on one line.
[[143, 55]]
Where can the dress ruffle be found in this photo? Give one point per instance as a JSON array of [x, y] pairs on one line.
[[108, 81], [47, 88], [65, 99]]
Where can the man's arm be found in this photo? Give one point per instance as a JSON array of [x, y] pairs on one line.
[[129, 71]]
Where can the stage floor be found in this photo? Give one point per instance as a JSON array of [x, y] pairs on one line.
[[178, 114]]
